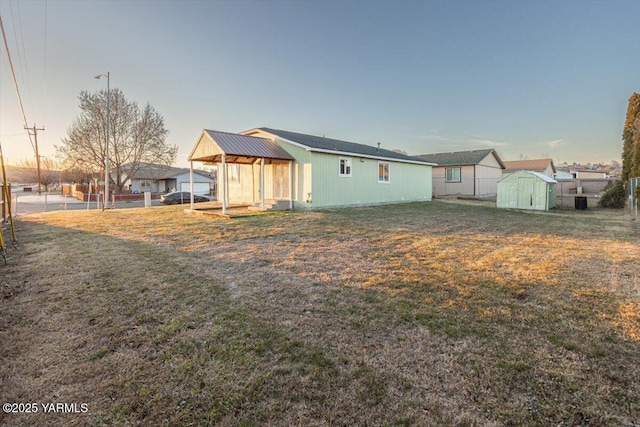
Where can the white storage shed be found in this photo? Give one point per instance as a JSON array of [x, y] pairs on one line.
[[527, 190]]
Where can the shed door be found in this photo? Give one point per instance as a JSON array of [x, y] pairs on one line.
[[526, 194]]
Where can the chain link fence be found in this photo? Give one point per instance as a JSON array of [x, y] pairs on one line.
[[634, 184]]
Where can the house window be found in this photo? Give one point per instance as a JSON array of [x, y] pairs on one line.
[[383, 171], [145, 183], [452, 175], [344, 169]]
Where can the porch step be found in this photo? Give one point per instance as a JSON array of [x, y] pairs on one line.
[[271, 205]]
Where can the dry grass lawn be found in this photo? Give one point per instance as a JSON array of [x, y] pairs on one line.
[[418, 314]]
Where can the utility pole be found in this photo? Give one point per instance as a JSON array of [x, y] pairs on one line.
[[35, 136]]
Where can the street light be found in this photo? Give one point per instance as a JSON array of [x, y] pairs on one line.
[[106, 158]]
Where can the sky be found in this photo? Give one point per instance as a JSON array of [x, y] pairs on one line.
[[528, 78]]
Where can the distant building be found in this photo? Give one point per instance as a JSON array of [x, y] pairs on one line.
[[157, 178], [591, 174], [543, 166], [469, 173]]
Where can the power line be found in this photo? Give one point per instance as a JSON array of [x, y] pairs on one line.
[[15, 81], [44, 72], [22, 66]]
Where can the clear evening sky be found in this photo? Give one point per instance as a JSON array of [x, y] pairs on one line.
[[528, 78]]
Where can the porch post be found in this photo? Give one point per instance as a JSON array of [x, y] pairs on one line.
[[253, 183], [224, 184], [290, 185], [262, 182], [191, 185]]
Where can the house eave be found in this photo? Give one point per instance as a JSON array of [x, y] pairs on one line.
[[365, 156]]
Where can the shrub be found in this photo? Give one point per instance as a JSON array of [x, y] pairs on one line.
[[609, 185], [615, 197]]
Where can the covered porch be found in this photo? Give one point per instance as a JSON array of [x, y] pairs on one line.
[[251, 170]]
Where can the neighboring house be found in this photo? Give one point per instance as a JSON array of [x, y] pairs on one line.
[[591, 174], [156, 178], [469, 173], [527, 190], [273, 168], [564, 175], [543, 166]]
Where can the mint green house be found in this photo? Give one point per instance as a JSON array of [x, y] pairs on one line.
[[277, 169]]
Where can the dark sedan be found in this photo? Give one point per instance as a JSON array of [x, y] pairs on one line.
[[180, 197]]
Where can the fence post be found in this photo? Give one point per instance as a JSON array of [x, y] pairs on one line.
[[633, 200], [2, 204]]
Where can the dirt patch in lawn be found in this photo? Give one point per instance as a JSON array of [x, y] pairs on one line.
[[418, 314]]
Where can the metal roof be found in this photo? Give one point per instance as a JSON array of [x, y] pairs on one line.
[[472, 157], [537, 174], [237, 148], [330, 145]]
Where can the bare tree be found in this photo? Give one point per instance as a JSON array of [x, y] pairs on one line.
[[26, 171], [135, 136], [77, 172]]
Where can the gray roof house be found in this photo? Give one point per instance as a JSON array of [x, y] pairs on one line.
[[157, 178], [277, 169], [469, 173]]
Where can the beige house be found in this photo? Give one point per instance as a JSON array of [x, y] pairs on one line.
[[468, 173], [591, 174], [543, 166]]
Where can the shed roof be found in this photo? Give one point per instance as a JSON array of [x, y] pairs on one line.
[[460, 158], [237, 148], [534, 173], [529, 165], [330, 145]]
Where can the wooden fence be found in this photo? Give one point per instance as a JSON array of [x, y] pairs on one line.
[[81, 191]]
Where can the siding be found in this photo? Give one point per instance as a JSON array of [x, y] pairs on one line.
[[442, 188], [476, 180], [241, 189], [408, 182], [316, 183], [488, 173]]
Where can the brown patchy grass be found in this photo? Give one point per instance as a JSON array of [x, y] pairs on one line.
[[419, 314]]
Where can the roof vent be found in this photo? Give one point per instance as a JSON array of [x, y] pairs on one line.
[[378, 149]]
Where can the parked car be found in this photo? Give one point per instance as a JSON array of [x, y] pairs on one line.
[[180, 197]]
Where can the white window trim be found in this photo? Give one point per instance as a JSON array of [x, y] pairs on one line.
[[453, 180], [348, 164], [382, 181]]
